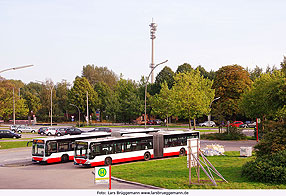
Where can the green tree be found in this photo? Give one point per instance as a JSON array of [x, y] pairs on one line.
[[62, 101], [230, 83], [95, 74], [283, 65], [184, 68], [255, 73], [192, 95], [31, 93], [6, 100], [80, 91], [126, 100], [210, 75], [104, 92], [163, 103], [267, 96], [166, 74]]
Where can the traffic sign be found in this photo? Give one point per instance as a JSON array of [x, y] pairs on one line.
[[102, 175]]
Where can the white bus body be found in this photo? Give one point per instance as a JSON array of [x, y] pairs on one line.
[[132, 147]]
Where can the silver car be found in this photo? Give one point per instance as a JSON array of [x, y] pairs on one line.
[[207, 124], [26, 129], [50, 131]]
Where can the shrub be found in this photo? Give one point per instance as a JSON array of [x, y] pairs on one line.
[[233, 133], [273, 139], [267, 168]]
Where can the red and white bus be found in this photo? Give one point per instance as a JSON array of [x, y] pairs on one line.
[[61, 149], [131, 147]]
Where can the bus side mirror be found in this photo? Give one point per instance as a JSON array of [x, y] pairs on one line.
[[28, 143]]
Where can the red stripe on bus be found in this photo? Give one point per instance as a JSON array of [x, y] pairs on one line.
[[37, 158], [54, 160], [80, 161], [169, 154], [120, 160]]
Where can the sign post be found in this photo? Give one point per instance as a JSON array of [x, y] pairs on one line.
[[102, 175], [257, 121]]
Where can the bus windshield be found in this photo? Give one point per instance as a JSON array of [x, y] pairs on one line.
[[38, 148], [81, 149]]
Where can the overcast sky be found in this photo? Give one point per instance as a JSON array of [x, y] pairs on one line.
[[59, 37]]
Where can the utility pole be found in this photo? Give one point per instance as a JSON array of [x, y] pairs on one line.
[[153, 29]]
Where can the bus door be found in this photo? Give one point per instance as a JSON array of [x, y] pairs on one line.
[[158, 145]]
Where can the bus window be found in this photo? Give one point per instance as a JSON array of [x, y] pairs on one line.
[[81, 149], [119, 147], [127, 147], [63, 146], [94, 150], [135, 146], [107, 149], [38, 149], [51, 147]]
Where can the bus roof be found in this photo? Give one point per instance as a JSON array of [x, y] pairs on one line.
[[136, 135], [83, 135]]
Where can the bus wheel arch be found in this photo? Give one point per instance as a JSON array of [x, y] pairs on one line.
[[65, 158], [147, 156], [108, 161], [182, 152]]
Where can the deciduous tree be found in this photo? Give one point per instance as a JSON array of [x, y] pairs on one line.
[[192, 95]]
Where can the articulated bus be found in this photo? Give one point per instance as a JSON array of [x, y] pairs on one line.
[[61, 149], [131, 147]]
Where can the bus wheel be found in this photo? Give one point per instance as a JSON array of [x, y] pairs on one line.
[[182, 152], [147, 156], [65, 158], [108, 161]]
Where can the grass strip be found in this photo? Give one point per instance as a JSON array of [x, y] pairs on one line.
[[172, 173], [17, 144]]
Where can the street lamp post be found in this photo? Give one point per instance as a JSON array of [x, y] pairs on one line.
[[145, 119], [15, 68], [78, 113], [209, 116]]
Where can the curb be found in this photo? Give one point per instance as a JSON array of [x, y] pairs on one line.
[[17, 164], [136, 183]]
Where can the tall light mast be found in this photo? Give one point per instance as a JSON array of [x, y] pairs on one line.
[[153, 29]]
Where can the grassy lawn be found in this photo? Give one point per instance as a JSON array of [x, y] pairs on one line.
[[173, 173], [16, 144]]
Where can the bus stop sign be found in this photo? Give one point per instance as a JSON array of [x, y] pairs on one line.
[[102, 175]]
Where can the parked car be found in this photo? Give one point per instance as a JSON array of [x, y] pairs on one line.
[[61, 131], [50, 131], [26, 129], [251, 124], [158, 121], [73, 131], [9, 134], [42, 130], [207, 124], [236, 124], [13, 128], [151, 122], [100, 129]]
